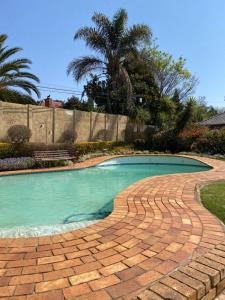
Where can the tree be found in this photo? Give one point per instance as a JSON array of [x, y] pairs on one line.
[[170, 75], [75, 103], [96, 91], [113, 41], [13, 75], [139, 116]]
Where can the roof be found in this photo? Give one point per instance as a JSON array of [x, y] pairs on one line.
[[216, 120]]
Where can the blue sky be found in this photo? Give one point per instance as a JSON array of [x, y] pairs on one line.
[[194, 29]]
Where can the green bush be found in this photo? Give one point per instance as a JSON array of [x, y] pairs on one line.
[[164, 141], [50, 164], [75, 150], [211, 142], [19, 134], [88, 147]]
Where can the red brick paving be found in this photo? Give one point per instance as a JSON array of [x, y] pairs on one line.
[[159, 242]]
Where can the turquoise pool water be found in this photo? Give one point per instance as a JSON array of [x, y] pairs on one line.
[[86, 194]]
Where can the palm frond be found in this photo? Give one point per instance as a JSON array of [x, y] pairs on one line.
[[12, 72], [101, 20], [92, 38], [120, 20], [3, 38], [138, 33], [24, 85], [8, 95], [27, 75], [6, 53], [84, 65]]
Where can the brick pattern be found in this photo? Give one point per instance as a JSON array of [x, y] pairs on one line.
[[158, 243]]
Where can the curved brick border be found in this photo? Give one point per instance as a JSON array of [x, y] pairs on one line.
[[157, 226]]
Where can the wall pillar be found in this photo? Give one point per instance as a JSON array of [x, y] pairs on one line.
[[29, 117], [117, 127], [53, 125], [1, 112], [2, 134], [105, 127], [74, 125], [91, 133]]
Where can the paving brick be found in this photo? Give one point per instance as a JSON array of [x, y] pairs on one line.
[[213, 274], [130, 273], [166, 267], [121, 289], [21, 263], [67, 264], [24, 289], [84, 268], [36, 269], [56, 295], [197, 275], [148, 277], [58, 274], [212, 264], [112, 269], [180, 287], [148, 295], [85, 277], [104, 254], [50, 259], [102, 283], [193, 283], [22, 279], [106, 246], [78, 254], [166, 292], [112, 259], [220, 286], [7, 291], [51, 285], [134, 260], [103, 295], [77, 290], [211, 295]]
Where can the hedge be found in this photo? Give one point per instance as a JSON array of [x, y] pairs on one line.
[[20, 150]]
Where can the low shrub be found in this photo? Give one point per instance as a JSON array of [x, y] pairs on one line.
[[187, 137], [88, 147], [164, 141], [19, 134], [75, 150], [50, 164], [19, 163], [67, 137], [7, 150], [211, 142]]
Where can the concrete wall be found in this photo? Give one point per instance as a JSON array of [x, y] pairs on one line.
[[48, 125]]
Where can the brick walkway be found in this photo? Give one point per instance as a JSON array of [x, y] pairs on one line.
[[156, 227]]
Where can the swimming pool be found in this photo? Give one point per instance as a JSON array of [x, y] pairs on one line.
[[59, 200]]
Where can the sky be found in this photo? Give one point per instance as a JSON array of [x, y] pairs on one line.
[[44, 29]]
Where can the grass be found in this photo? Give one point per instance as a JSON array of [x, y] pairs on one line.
[[213, 198]]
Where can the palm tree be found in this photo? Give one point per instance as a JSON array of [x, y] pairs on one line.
[[113, 42], [139, 116], [13, 74]]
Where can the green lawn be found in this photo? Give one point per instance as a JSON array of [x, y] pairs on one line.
[[213, 198]]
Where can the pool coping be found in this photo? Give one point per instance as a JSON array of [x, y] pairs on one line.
[[134, 251]]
